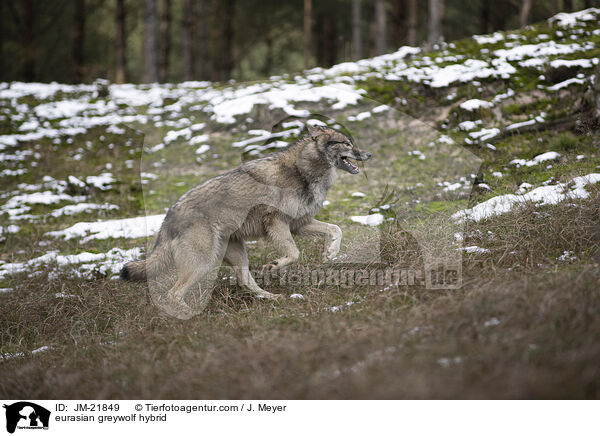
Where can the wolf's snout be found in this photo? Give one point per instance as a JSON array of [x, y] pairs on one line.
[[363, 155]]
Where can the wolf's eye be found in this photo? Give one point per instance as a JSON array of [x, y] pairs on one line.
[[345, 144]]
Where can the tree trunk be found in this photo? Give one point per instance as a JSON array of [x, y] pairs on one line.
[[188, 41], [222, 56], [326, 31], [327, 36], [568, 5], [307, 31], [380, 33], [28, 59], [165, 40], [413, 22], [3, 74], [200, 26], [485, 17], [400, 23], [150, 73], [331, 40], [499, 13], [554, 7], [120, 74], [436, 14], [596, 95], [525, 10], [356, 31], [268, 65], [79, 41]]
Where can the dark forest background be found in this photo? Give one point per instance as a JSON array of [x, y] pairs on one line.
[[175, 40]]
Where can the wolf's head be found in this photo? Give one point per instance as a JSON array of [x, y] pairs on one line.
[[337, 148]]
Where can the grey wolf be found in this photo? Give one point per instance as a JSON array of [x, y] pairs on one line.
[[273, 197]]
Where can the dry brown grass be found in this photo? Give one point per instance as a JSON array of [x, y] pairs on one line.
[[524, 325]]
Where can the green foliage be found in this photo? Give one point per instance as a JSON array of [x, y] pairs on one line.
[[565, 141], [533, 107], [382, 90]]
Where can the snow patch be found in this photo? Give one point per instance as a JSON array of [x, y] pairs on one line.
[[368, 220], [74, 209], [475, 249], [474, 104], [549, 155], [551, 194], [111, 261], [139, 227]]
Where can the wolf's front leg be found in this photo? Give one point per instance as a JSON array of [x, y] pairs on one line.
[[316, 227], [237, 257], [279, 232]]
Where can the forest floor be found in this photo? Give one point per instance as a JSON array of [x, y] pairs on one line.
[[485, 167]]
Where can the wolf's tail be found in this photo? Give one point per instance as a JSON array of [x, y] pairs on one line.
[[138, 271], [134, 271]]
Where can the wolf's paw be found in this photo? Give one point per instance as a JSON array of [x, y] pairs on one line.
[[270, 267], [333, 250], [278, 264], [336, 241], [178, 308], [267, 295]]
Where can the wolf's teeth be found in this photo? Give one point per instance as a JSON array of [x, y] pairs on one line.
[[350, 164]]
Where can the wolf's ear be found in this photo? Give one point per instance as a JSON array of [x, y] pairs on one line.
[[313, 131]]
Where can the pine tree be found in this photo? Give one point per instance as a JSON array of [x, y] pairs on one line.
[[356, 30], [380, 27], [436, 14], [150, 71], [165, 40], [413, 22], [120, 68]]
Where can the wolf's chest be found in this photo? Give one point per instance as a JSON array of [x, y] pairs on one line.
[[312, 198]]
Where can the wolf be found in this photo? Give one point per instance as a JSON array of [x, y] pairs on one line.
[[273, 197]]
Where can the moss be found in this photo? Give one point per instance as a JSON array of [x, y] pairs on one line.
[[381, 90], [433, 207], [526, 79], [533, 107], [565, 141]]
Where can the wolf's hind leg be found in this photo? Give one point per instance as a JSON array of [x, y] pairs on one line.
[[237, 257], [316, 227], [194, 260], [186, 284], [175, 304]]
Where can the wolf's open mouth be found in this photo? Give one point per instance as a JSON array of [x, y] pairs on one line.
[[349, 166]]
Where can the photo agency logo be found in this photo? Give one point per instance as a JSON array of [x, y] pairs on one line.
[[25, 415], [392, 221], [346, 276]]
